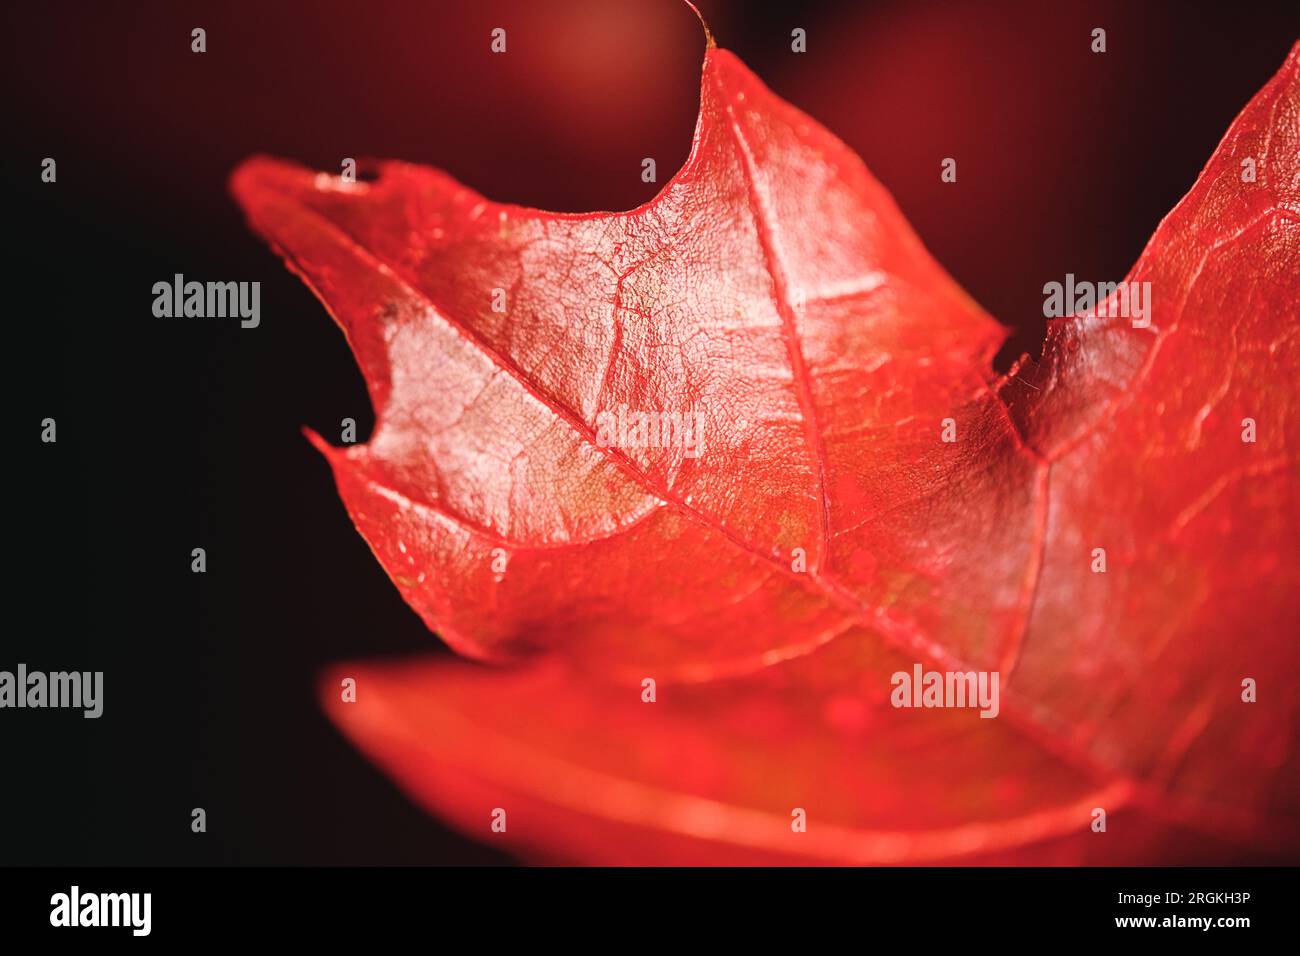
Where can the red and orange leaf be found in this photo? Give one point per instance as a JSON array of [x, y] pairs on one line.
[[824, 536]]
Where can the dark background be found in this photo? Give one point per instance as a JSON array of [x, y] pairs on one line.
[[184, 433]]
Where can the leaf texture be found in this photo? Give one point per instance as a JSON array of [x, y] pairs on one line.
[[825, 536]]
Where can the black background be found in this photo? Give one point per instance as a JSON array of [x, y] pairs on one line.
[[175, 434]]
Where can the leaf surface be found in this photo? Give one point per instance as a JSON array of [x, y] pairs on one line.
[[825, 536]]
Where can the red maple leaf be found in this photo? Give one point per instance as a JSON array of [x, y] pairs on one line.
[[844, 491]]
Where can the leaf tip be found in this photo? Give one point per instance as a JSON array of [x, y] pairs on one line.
[[709, 42], [250, 173], [320, 444]]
